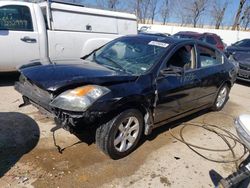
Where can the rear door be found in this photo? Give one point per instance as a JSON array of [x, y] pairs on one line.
[[178, 93], [18, 36], [212, 73]]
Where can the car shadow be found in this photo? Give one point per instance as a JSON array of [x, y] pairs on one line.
[[244, 83], [158, 131], [8, 78], [19, 134], [88, 135]]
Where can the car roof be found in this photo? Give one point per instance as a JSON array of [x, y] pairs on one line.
[[191, 33], [156, 37], [168, 39]]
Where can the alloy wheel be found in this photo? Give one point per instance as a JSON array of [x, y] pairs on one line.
[[222, 96], [126, 134]]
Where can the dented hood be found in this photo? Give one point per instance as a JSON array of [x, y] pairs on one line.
[[64, 76], [242, 57]]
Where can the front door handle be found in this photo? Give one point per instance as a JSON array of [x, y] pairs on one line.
[[28, 40]]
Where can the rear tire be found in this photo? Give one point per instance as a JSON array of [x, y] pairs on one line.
[[118, 137], [221, 98]]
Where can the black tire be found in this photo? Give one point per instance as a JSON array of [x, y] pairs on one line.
[[107, 133], [217, 107]]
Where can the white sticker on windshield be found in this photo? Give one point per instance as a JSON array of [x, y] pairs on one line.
[[160, 44]]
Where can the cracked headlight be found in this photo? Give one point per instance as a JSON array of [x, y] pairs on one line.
[[79, 99]]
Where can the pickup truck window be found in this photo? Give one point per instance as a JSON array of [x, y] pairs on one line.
[[15, 17]]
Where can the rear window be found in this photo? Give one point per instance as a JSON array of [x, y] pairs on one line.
[[15, 17], [185, 36], [211, 40], [209, 57]]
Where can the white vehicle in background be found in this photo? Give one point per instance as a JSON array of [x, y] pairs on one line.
[[52, 31]]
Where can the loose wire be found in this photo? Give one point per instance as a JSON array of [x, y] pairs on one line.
[[222, 133]]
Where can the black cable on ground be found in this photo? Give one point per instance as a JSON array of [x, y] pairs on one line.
[[222, 133]]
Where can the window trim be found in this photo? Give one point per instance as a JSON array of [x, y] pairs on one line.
[[26, 30]]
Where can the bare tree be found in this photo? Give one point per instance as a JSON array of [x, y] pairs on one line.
[[108, 4], [238, 14], [189, 12], [153, 9], [141, 8], [196, 9], [246, 17], [165, 11], [112, 4], [179, 11], [218, 13]]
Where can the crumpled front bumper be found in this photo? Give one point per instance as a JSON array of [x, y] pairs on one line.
[[41, 99]]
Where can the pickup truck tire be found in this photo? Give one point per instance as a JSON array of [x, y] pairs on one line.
[[119, 136], [221, 98]]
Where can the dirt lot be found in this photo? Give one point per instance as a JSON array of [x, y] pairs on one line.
[[29, 158]]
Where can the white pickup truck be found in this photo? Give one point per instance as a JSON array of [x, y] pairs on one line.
[[50, 31]]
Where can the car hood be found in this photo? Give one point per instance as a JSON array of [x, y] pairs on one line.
[[242, 58], [232, 49], [64, 76]]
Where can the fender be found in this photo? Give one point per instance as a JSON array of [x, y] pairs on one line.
[[139, 102]]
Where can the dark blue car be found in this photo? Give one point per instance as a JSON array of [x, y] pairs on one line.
[[240, 52], [129, 87]]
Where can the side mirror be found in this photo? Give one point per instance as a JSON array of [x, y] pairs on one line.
[[177, 71]]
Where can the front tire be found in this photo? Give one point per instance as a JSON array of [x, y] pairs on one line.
[[118, 137], [221, 98]]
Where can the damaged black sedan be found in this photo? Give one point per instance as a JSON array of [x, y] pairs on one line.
[[129, 87]]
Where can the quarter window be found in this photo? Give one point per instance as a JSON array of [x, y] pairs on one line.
[[15, 17], [209, 57]]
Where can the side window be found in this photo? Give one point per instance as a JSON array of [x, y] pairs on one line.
[[184, 57], [211, 40], [15, 17], [209, 57]]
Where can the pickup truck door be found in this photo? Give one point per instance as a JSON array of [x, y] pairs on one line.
[[19, 38]]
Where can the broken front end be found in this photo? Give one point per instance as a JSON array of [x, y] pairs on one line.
[[70, 108]]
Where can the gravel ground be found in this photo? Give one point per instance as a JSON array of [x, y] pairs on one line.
[[29, 158]]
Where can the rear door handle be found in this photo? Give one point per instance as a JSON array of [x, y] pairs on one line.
[[28, 40]]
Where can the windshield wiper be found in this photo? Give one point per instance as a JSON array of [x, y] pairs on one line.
[[119, 67], [93, 52]]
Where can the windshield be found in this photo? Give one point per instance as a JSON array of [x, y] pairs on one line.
[[131, 55], [242, 43]]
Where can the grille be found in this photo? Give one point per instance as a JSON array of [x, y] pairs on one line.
[[244, 67]]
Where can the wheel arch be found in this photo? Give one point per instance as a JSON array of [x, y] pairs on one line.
[[141, 104]]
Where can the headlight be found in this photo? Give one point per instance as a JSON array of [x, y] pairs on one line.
[[231, 58], [79, 99]]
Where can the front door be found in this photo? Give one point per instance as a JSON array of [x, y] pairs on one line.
[[178, 92], [18, 37]]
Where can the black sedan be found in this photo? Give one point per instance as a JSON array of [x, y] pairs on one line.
[[240, 52], [240, 46], [129, 87]]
